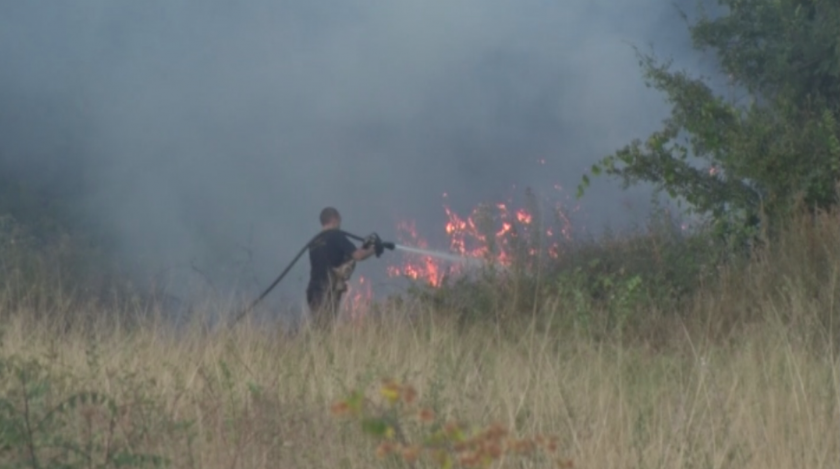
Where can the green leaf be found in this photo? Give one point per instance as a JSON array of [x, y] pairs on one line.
[[356, 401], [374, 426], [582, 186]]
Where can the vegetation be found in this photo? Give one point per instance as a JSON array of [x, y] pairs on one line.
[[774, 139], [441, 443], [743, 375], [710, 345], [657, 266]]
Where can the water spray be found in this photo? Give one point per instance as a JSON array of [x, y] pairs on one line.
[[440, 255], [372, 240]]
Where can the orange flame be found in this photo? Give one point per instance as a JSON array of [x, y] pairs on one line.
[[360, 296], [523, 216], [416, 267], [494, 233]]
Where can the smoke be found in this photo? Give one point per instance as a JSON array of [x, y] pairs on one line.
[[210, 134]]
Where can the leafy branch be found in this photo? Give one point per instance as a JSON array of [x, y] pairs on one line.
[[410, 433]]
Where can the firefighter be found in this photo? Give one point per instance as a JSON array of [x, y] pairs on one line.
[[332, 259]]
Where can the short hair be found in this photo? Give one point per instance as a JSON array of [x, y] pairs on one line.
[[329, 214]]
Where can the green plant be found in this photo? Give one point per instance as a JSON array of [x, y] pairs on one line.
[[738, 158], [43, 427], [410, 433]]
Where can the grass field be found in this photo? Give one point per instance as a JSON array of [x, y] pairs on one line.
[[745, 377]]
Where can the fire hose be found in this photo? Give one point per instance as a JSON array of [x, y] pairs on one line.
[[372, 240]]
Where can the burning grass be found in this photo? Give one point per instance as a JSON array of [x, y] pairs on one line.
[[530, 254], [497, 234], [743, 375]]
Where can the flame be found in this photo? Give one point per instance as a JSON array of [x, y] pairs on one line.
[[493, 233], [523, 216], [360, 296], [416, 267]]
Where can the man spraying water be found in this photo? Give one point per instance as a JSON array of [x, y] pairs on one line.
[[332, 259]]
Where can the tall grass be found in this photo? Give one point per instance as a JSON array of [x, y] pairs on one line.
[[743, 375]]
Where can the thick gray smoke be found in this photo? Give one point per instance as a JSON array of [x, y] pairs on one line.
[[207, 127]]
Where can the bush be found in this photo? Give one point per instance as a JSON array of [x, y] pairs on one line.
[[408, 433], [46, 424], [659, 266]]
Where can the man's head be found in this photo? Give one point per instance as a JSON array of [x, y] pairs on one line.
[[330, 218]]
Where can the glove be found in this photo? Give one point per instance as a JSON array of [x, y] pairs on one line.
[[371, 240]]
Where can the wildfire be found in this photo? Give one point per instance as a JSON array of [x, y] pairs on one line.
[[360, 296], [523, 217], [416, 267], [493, 233]]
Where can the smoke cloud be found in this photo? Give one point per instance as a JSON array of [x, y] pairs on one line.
[[201, 131]]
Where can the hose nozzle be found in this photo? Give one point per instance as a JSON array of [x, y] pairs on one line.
[[379, 246]]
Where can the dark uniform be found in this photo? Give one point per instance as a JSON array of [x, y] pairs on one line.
[[331, 260]]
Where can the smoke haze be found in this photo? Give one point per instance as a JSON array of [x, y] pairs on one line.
[[196, 128]]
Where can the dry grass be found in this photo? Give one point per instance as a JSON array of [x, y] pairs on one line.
[[767, 398], [762, 403]]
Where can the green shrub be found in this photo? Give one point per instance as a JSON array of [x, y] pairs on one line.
[[409, 433], [46, 423], [658, 266]]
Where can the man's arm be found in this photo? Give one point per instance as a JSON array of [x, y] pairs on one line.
[[361, 254], [358, 254]]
